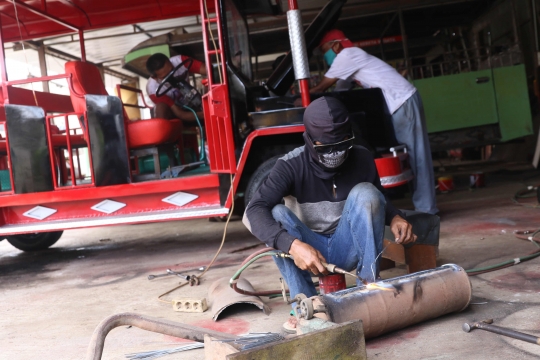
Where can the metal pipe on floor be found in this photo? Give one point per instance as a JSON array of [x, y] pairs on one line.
[[486, 325], [161, 326], [414, 298]]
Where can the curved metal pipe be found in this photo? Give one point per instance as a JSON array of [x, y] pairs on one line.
[[161, 326], [416, 297]]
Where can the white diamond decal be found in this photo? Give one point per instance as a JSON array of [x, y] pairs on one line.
[[180, 198], [108, 206], [39, 212]]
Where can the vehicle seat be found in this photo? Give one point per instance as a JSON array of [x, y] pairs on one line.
[[86, 79], [133, 101]]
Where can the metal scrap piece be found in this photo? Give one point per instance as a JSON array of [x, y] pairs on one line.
[[221, 296]]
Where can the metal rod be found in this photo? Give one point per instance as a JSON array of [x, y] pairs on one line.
[[465, 52], [70, 151], [384, 32], [514, 23], [43, 65], [298, 49], [79, 163], [45, 15], [4, 76], [486, 325], [3, 83], [37, 79], [535, 28], [304, 90], [83, 48], [405, 43], [51, 151], [87, 138], [161, 326]]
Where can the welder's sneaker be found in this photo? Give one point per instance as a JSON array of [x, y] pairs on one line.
[[290, 325]]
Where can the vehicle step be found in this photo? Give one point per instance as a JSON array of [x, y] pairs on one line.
[[155, 216]]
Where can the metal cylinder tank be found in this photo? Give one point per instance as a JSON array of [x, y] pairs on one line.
[[414, 298]]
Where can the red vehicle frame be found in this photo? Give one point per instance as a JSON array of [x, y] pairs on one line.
[[33, 220]]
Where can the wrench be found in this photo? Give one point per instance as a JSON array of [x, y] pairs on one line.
[[192, 279], [170, 272]]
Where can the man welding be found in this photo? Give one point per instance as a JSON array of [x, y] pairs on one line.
[[335, 208]]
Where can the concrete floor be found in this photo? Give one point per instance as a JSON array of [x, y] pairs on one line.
[[53, 300]]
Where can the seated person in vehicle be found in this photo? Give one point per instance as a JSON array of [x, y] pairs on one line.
[[169, 88]]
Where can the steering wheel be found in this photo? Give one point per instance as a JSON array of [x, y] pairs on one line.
[[170, 78]]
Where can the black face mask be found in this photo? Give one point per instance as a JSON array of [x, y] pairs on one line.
[[331, 156], [327, 122], [322, 162], [333, 159]]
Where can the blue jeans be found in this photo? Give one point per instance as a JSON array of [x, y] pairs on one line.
[[355, 244], [410, 128]]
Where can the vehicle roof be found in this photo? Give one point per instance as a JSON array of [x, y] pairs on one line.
[[85, 15]]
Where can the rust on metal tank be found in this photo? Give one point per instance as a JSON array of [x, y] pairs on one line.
[[416, 297]]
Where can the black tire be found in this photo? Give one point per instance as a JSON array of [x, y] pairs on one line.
[[258, 177], [34, 241]]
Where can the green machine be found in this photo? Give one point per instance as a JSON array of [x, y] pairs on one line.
[[476, 108]]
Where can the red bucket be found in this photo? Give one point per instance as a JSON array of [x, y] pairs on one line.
[[477, 180], [331, 283], [446, 183]]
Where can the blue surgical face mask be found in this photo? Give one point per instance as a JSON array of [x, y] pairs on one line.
[[329, 56]]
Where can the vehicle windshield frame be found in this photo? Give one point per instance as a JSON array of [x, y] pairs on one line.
[[237, 39]]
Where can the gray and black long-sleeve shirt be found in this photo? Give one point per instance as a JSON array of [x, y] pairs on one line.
[[317, 201]]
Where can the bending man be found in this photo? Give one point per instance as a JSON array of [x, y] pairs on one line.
[[403, 102]]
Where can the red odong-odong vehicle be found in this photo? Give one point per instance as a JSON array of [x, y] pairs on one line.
[[45, 137]]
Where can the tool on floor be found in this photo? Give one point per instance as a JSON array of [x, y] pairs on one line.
[[191, 279], [486, 325], [170, 272], [159, 353], [160, 326], [252, 340]]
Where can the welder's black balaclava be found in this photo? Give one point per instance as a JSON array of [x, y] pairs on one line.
[[327, 121]]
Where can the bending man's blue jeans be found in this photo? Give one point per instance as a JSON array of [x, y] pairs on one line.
[[410, 128], [355, 244]]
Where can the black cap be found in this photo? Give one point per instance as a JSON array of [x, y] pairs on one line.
[[327, 120]]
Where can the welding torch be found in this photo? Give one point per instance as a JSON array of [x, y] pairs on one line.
[[336, 270], [331, 268]]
